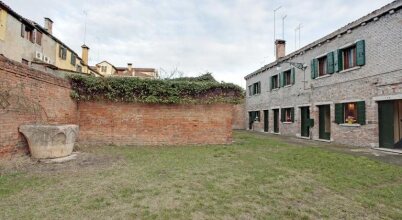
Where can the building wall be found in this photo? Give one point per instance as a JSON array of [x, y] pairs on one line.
[[66, 64], [110, 70], [29, 96], [380, 76], [239, 119], [17, 48], [3, 24], [141, 124]]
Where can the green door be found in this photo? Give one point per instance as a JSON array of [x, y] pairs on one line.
[[305, 119], [266, 120], [276, 120], [324, 122], [386, 123]]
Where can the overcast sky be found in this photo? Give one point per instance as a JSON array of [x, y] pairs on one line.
[[230, 38]]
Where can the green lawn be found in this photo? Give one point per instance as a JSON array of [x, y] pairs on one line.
[[258, 177]]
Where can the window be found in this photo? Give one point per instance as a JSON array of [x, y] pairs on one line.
[[254, 89], [79, 68], [38, 38], [274, 82], [322, 66], [287, 115], [28, 33], [349, 57], [287, 78], [104, 69], [73, 59], [63, 52], [350, 113], [25, 62], [255, 116], [23, 30]]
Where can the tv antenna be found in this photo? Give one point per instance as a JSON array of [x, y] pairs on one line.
[[275, 26], [85, 23], [283, 26]]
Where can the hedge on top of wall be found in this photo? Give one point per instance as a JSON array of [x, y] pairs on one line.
[[179, 91]]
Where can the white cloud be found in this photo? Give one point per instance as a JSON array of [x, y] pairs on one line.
[[230, 38]]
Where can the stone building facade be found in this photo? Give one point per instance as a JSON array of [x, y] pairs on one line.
[[345, 87]]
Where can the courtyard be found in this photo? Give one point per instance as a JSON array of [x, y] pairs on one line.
[[259, 176]]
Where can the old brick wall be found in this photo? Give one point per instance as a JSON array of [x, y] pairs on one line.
[[146, 124], [29, 96], [239, 117]]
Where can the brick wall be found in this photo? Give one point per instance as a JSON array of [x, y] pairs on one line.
[[239, 117], [28, 96], [145, 124]]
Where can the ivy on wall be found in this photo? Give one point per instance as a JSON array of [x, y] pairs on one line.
[[197, 90]]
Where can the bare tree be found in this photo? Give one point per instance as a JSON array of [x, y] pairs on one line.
[[170, 74]]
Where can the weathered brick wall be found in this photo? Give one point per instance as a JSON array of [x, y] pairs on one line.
[[239, 119], [28, 96], [145, 124], [380, 76]]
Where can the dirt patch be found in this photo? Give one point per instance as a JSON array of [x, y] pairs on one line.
[[84, 160]]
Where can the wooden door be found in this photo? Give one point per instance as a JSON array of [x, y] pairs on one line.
[[324, 122], [266, 120], [276, 120], [305, 119], [386, 118]]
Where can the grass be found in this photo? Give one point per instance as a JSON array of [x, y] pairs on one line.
[[258, 177]]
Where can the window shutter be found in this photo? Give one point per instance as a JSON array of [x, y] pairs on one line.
[[259, 88], [330, 63], [339, 113], [338, 61], [360, 53], [293, 74], [282, 114], [271, 84], [250, 90], [292, 114], [22, 30], [312, 69], [311, 122], [361, 112]]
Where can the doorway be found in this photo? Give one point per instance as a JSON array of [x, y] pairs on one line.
[[266, 120], [390, 124], [276, 120], [324, 122], [305, 121]]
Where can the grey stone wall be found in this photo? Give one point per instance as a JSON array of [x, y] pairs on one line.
[[380, 76]]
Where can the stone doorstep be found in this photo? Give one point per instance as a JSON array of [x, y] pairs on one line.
[[396, 151], [71, 157]]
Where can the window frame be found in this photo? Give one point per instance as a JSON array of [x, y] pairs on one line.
[[346, 52], [275, 81], [322, 68], [287, 77]]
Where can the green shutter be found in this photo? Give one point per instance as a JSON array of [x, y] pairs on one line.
[[280, 79], [292, 114], [282, 115], [250, 90], [338, 65], [339, 113], [361, 112], [311, 122], [259, 87], [360, 53], [271, 84], [312, 67], [330, 63], [293, 75]]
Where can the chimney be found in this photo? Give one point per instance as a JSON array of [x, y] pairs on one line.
[[49, 25], [280, 48], [85, 54], [130, 68]]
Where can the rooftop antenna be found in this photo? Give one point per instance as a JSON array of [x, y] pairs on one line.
[[275, 26], [299, 28], [85, 28], [283, 26]]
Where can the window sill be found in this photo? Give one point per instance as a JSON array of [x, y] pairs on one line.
[[350, 125], [287, 86], [324, 76], [350, 69], [287, 122], [276, 89], [275, 133]]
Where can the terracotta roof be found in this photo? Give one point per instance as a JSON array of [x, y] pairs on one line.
[[395, 5]]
